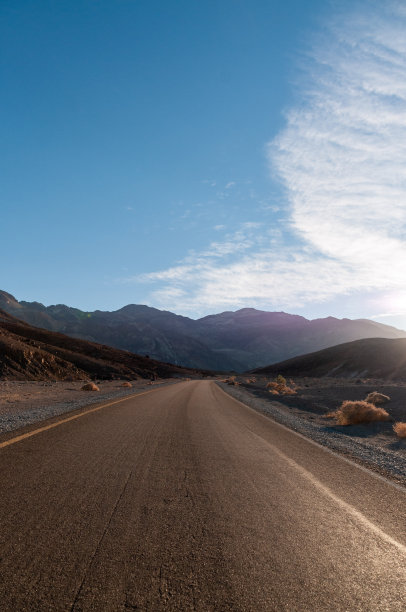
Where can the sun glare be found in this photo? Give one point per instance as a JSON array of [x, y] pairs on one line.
[[397, 303]]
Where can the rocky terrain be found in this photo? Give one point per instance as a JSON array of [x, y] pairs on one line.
[[238, 341], [31, 353], [370, 358]]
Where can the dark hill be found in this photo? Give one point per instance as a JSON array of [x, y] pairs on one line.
[[259, 338], [372, 358], [31, 353]]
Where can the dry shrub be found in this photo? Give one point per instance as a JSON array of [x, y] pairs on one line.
[[280, 388], [90, 387], [273, 386], [355, 413], [249, 381], [400, 429], [377, 398], [127, 384]]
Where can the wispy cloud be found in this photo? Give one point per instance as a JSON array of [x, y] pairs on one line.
[[341, 160], [342, 156]]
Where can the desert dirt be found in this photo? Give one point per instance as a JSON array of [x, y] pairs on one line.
[[26, 402], [375, 445], [316, 397]]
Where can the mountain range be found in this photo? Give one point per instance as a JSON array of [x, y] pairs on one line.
[[31, 353], [240, 341]]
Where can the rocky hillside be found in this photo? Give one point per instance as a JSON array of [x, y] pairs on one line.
[[31, 353], [370, 358], [239, 341], [146, 331]]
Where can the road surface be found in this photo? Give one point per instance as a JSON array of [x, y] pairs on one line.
[[185, 499]]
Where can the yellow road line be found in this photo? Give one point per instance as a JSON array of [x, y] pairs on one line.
[[71, 418]]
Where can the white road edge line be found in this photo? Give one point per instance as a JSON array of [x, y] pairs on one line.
[[346, 506], [325, 490]]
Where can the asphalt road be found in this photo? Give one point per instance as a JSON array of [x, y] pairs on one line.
[[185, 499]]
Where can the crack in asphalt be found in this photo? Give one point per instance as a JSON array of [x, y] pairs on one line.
[[97, 548]]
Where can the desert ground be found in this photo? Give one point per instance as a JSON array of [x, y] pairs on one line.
[[315, 397], [26, 402], [375, 445]]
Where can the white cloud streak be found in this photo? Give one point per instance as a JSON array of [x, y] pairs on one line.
[[342, 157], [342, 162]]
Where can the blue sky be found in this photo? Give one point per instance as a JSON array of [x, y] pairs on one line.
[[205, 156]]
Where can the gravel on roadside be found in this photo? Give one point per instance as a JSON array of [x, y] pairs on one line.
[[26, 414], [390, 463]]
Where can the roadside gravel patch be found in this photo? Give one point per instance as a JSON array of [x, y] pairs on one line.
[[389, 462], [35, 409]]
